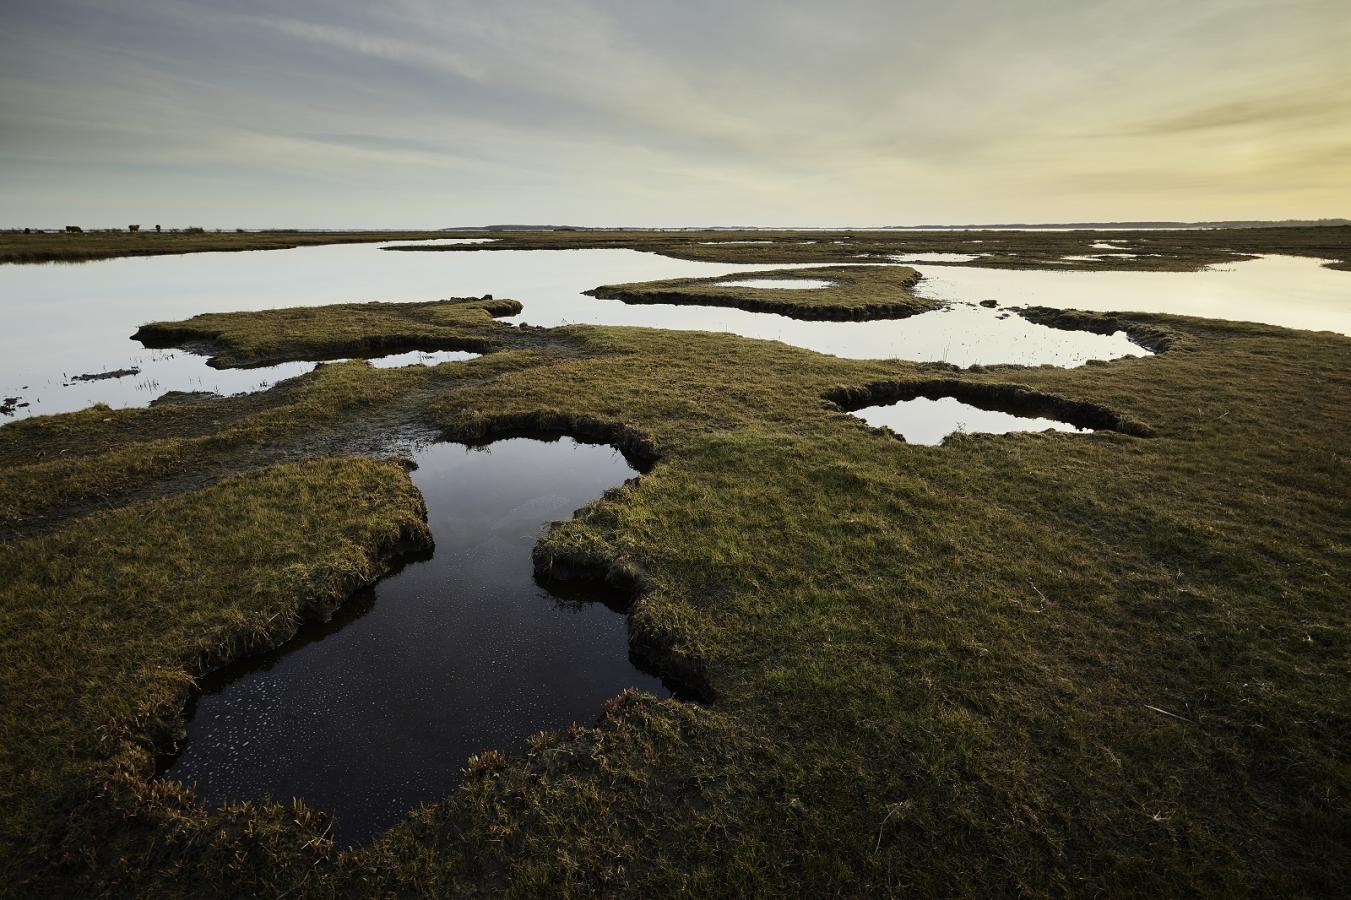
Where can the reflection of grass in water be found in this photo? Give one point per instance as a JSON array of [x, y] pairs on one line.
[[929, 667]]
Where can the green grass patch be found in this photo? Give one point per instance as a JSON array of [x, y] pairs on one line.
[[248, 339], [1169, 250], [107, 622]]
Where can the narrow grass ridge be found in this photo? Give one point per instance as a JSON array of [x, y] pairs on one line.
[[40, 247], [855, 293]]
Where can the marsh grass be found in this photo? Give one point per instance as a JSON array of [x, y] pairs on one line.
[[1025, 664], [1165, 250], [328, 332], [111, 619], [1177, 250], [94, 245]]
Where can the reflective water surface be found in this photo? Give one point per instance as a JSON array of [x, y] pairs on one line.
[[1294, 291], [67, 320], [375, 713], [159, 371], [925, 421], [934, 257]]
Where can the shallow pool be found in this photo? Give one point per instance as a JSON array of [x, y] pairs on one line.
[[375, 712], [926, 421]]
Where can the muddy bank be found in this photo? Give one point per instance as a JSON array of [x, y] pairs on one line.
[[104, 376]]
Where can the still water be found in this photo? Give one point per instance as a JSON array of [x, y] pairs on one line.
[[375, 712], [1294, 291], [926, 421], [66, 320]]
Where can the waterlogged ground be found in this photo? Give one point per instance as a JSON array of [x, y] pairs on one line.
[[151, 373], [900, 698], [63, 321], [374, 713]]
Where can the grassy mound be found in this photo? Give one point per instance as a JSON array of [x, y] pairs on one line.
[[248, 339]]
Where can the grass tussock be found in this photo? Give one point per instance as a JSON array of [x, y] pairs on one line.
[[1021, 664]]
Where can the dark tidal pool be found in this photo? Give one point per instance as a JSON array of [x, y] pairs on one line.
[[375, 712]]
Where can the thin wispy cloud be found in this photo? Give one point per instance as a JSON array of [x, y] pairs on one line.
[[594, 111]]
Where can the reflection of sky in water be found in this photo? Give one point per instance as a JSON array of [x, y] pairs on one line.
[[66, 320], [925, 421], [1293, 291], [375, 713]]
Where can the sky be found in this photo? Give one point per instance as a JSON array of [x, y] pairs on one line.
[[421, 114]]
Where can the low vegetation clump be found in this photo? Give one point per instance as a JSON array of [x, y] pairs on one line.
[[852, 292], [1025, 664]]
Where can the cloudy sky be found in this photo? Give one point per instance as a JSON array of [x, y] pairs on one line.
[[773, 112]]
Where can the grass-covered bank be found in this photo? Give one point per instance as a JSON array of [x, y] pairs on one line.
[[852, 293], [1162, 250], [41, 247], [1024, 664], [1177, 250], [336, 330], [110, 619]]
